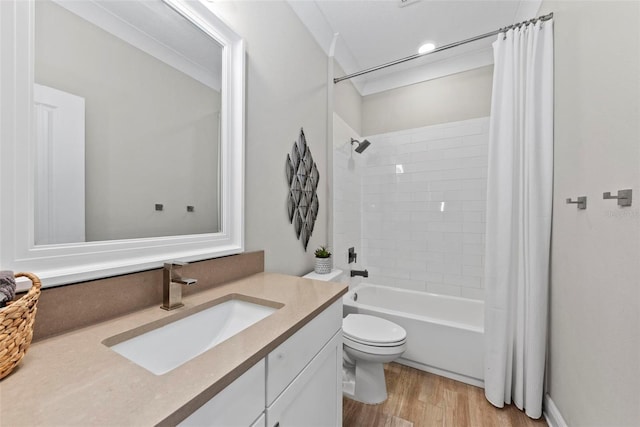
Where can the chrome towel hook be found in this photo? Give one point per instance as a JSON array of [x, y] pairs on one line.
[[624, 197], [581, 202]]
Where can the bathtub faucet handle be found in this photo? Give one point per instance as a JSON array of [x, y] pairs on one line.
[[353, 256]]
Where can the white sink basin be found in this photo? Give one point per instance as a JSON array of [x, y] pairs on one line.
[[167, 347]]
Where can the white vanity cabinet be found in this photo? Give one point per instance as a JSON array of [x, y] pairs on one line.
[[304, 374], [297, 384]]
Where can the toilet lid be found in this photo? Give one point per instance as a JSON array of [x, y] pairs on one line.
[[371, 329]]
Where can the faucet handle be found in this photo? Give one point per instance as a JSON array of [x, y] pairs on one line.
[[188, 282]]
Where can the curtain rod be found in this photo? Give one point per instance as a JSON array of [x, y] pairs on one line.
[[440, 49]]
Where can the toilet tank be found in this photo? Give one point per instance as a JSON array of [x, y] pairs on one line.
[[334, 276]]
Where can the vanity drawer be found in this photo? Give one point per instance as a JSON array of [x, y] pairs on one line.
[[289, 358], [240, 404]]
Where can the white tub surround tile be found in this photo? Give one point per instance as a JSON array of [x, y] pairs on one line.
[[423, 201]]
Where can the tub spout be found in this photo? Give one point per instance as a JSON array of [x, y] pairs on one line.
[[363, 273]]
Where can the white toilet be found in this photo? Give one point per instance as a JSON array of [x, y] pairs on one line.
[[368, 343]]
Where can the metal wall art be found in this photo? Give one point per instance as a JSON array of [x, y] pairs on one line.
[[302, 177]]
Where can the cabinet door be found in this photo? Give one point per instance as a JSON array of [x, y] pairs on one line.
[[314, 398]]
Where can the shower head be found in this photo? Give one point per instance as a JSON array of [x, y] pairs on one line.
[[361, 145]]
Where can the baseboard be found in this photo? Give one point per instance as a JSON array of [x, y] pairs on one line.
[[552, 414], [442, 372]]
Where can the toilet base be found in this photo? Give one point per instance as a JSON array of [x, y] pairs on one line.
[[365, 382], [348, 383]]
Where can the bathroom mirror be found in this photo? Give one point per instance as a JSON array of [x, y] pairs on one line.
[[127, 97], [122, 136]]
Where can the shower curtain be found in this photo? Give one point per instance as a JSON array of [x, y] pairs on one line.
[[518, 223]]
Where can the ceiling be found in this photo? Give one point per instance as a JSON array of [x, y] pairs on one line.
[[374, 32]]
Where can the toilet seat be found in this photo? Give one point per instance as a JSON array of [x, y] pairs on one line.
[[372, 331], [373, 344], [378, 350]]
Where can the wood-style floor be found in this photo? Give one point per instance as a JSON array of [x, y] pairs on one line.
[[421, 399]]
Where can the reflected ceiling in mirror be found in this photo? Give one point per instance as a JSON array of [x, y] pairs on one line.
[[127, 114]]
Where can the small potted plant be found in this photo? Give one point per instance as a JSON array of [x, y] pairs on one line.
[[323, 260]]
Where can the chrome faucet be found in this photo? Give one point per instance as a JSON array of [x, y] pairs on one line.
[[172, 284]]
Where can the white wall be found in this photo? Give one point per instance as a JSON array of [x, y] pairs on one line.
[[456, 97], [286, 90], [423, 224], [347, 101], [594, 354], [150, 130], [347, 176]]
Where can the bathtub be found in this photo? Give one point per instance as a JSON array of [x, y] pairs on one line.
[[445, 335]]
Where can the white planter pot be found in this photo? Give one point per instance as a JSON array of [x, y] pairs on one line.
[[323, 265]]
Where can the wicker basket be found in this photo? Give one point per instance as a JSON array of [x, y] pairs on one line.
[[16, 326]]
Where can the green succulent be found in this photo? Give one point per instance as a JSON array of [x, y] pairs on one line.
[[322, 252]]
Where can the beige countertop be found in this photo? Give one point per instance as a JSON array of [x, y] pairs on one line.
[[74, 379]]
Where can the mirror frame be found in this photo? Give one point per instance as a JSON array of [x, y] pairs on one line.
[[75, 262]]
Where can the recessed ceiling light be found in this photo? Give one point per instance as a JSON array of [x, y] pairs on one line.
[[427, 47]]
